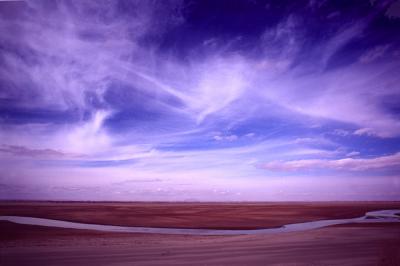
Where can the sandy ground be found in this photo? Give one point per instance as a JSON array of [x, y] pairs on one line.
[[339, 245], [375, 245]]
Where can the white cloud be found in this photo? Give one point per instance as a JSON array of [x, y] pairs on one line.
[[364, 131], [87, 137], [341, 132], [226, 137], [250, 135], [347, 164], [352, 154]]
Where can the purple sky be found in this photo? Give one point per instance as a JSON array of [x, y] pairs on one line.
[[200, 100]]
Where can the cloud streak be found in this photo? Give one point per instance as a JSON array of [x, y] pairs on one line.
[[24, 151], [111, 91], [347, 164]]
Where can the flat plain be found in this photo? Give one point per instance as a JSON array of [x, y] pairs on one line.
[[352, 244]]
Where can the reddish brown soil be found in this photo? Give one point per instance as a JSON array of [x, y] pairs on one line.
[[194, 215], [347, 245]]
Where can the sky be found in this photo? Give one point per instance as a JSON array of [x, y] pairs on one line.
[[200, 100]]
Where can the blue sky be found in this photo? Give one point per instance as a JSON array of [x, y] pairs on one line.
[[200, 100]]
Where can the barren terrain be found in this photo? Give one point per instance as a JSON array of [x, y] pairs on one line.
[[366, 244]]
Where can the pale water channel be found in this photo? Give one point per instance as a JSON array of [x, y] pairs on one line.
[[381, 216]]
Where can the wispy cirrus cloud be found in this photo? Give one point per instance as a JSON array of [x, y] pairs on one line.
[[195, 94], [24, 151], [346, 164]]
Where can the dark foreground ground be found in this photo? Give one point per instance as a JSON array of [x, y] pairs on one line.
[[367, 244]]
